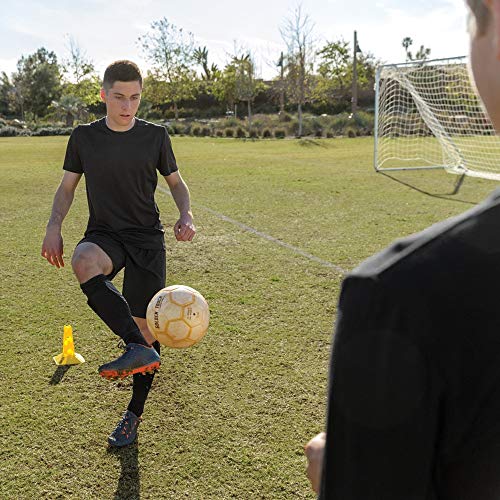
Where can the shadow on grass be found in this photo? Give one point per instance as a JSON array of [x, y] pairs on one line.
[[59, 374], [311, 142], [445, 196], [129, 483]]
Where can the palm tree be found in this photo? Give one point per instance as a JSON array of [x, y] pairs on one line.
[[69, 107], [407, 41], [200, 56]]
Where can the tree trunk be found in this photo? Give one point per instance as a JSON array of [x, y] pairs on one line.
[[299, 111], [176, 110], [249, 114], [69, 119], [282, 86]]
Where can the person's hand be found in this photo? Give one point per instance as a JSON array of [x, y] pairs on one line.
[[52, 248], [184, 229], [314, 451]]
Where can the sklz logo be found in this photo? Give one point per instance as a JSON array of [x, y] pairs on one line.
[[157, 307], [189, 313]]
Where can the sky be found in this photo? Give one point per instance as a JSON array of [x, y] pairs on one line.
[[108, 30]]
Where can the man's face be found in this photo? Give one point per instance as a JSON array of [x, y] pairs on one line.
[[122, 101], [485, 67]]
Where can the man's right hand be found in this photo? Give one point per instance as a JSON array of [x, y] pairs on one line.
[[52, 247]]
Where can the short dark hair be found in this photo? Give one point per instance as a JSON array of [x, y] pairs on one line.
[[481, 14], [121, 71]]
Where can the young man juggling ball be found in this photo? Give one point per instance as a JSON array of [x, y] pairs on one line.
[[120, 156]]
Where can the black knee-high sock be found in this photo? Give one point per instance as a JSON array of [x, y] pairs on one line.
[[109, 304], [140, 388]]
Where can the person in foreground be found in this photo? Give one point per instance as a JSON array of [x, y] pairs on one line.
[[120, 156], [414, 396]]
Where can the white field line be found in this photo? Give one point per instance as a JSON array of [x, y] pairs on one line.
[[265, 236]]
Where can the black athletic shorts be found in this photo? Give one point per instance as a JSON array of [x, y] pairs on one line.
[[145, 270]]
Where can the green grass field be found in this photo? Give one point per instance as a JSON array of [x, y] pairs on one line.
[[229, 417]]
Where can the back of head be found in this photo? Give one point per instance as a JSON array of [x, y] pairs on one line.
[[481, 15], [121, 71]]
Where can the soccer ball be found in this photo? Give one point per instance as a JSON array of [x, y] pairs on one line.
[[177, 316]]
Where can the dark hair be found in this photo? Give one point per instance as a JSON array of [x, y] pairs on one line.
[[481, 14], [121, 71]]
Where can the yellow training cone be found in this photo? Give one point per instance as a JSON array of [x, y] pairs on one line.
[[68, 356]]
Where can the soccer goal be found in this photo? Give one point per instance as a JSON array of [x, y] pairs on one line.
[[427, 115]]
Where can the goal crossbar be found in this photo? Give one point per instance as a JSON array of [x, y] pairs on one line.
[[428, 116]]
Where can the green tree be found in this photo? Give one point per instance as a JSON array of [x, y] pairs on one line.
[[69, 107], [37, 82], [81, 80], [7, 95], [224, 85], [170, 50], [422, 54], [78, 65], [87, 90], [200, 56], [406, 43], [335, 72], [246, 85], [299, 60]]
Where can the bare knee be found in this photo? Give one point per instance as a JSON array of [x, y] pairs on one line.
[[86, 263], [143, 327]]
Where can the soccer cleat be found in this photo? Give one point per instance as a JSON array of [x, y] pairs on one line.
[[126, 430], [137, 358]]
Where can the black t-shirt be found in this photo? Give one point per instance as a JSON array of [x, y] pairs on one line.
[[121, 176], [414, 397]]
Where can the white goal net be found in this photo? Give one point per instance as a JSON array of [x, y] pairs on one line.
[[428, 116]]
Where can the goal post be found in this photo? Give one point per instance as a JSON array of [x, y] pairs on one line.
[[428, 116]]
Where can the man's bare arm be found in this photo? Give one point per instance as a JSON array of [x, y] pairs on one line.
[[184, 228], [52, 247]]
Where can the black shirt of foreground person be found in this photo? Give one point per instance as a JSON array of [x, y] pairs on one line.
[[414, 398]]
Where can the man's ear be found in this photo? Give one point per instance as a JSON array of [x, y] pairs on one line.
[[103, 95], [494, 8]]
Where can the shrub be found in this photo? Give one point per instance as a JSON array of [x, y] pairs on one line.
[[338, 123], [46, 131], [206, 131], [293, 127], [266, 133], [279, 133], [176, 129], [329, 135], [187, 129], [253, 134], [319, 133], [364, 120], [284, 117], [240, 133], [8, 132], [196, 131], [229, 132], [232, 122], [219, 133], [350, 132]]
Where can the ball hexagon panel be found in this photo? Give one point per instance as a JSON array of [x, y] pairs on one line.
[[177, 329], [182, 297]]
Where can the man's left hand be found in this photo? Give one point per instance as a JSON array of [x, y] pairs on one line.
[[314, 451], [184, 229]]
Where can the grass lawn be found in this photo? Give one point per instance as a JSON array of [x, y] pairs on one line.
[[229, 417]]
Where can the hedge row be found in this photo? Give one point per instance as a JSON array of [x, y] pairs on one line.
[[24, 132]]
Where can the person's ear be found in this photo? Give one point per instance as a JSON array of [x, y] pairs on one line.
[[103, 95], [494, 8]]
